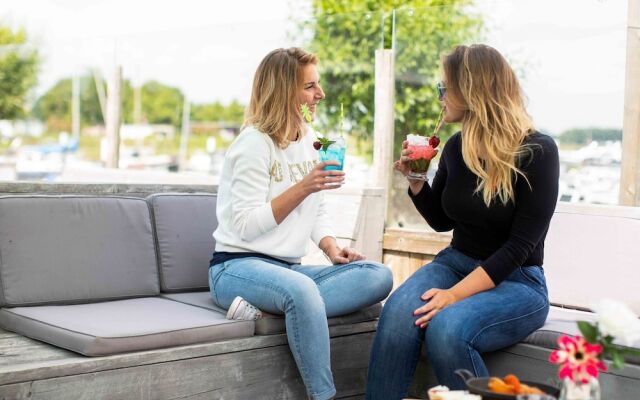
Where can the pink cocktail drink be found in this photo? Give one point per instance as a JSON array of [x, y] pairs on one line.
[[421, 155]]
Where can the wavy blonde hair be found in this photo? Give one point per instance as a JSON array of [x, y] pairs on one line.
[[274, 105], [495, 123]]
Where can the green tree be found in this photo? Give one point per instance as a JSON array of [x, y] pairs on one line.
[[161, 104], [217, 111], [18, 72], [345, 36], [54, 106]]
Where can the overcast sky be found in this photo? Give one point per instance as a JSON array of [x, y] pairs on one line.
[[573, 51]]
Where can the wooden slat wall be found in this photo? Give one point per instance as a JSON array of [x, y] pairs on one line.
[[406, 250]]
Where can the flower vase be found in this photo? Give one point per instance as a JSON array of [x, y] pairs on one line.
[[572, 390]]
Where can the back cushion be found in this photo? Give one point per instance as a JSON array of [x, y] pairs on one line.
[[184, 226], [593, 252], [75, 249]]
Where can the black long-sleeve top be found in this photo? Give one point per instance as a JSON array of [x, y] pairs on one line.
[[503, 236]]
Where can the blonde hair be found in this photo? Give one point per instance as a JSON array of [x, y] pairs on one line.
[[274, 107], [495, 123]]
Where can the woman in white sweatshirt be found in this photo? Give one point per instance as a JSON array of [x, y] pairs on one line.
[[270, 203]]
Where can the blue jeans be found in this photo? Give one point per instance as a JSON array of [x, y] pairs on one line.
[[458, 334], [306, 295]]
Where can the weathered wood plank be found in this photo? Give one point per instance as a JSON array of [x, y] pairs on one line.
[[415, 241], [43, 361], [404, 264], [241, 375], [630, 169], [370, 225], [383, 124]]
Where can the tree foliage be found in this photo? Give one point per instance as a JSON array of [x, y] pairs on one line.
[[345, 36], [18, 72], [160, 104], [232, 113], [54, 107]]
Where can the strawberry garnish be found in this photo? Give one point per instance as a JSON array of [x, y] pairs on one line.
[[317, 145], [434, 141]]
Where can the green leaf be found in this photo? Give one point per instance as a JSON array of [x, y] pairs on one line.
[[607, 340], [325, 143], [306, 113], [589, 331], [618, 359]]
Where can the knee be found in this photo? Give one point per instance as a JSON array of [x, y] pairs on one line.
[[379, 277], [397, 313], [446, 333], [303, 293]]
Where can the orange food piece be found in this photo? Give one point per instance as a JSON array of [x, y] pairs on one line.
[[511, 385], [526, 389], [499, 386], [514, 382]]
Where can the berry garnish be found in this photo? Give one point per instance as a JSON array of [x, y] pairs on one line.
[[323, 143], [434, 141]]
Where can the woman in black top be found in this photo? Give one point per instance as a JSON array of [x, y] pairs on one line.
[[496, 187]]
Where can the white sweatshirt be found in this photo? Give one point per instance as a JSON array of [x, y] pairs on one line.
[[255, 171]]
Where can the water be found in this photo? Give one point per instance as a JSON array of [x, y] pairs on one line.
[[335, 151]]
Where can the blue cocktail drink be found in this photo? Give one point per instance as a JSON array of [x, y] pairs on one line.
[[335, 151]]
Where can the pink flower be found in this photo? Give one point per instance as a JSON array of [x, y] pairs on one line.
[[578, 358]]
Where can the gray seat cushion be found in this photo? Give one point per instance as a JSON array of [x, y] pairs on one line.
[[74, 249], [563, 321], [184, 225], [122, 326], [273, 324]]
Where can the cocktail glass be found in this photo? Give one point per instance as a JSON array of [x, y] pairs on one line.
[[335, 151], [421, 155]]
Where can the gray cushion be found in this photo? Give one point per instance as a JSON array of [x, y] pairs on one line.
[[73, 249], [122, 326], [184, 225], [563, 321], [273, 324]]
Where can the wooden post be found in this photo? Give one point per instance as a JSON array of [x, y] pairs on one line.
[[137, 104], [383, 125], [75, 107], [114, 118], [630, 171], [97, 79], [184, 135]]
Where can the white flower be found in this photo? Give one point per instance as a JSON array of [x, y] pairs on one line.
[[617, 320]]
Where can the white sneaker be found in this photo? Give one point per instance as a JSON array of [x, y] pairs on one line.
[[241, 309]]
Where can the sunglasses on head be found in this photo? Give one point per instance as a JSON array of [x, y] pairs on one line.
[[442, 89]]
